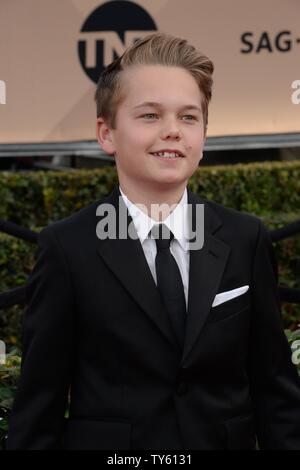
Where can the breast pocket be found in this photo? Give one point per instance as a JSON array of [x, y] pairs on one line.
[[229, 308]]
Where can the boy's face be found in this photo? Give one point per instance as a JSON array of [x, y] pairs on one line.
[[142, 130]]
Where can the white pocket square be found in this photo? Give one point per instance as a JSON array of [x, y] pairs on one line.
[[228, 295]]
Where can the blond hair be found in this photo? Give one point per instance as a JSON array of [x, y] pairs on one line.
[[154, 49]]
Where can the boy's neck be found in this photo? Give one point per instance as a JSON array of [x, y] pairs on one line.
[[158, 203]]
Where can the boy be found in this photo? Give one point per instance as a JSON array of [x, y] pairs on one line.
[[162, 346]]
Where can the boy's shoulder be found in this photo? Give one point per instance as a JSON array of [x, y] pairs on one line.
[[233, 223], [77, 225], [230, 213], [225, 213]]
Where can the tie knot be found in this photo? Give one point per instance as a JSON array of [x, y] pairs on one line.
[[162, 235]]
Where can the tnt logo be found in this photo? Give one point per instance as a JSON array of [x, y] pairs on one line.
[[2, 352], [108, 31], [296, 354], [2, 92]]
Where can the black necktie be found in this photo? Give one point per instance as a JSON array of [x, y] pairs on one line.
[[169, 280]]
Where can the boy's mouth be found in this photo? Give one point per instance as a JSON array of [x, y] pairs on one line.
[[168, 154]]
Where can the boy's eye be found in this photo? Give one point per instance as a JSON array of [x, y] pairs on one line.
[[150, 114], [187, 115]]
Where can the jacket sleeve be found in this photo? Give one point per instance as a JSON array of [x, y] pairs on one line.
[[37, 417], [274, 381]]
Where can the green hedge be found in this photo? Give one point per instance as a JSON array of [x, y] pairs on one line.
[[35, 199], [258, 188]]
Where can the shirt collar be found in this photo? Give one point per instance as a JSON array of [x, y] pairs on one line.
[[176, 221]]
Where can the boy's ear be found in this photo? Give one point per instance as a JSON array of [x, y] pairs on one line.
[[104, 136], [203, 142]]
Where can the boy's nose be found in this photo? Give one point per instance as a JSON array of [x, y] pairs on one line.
[[171, 132], [172, 135]]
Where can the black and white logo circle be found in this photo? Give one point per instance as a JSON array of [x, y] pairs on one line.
[[108, 31]]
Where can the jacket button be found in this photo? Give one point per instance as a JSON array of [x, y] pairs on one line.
[[181, 388]]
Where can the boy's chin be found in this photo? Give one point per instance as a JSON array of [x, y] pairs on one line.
[[167, 181]]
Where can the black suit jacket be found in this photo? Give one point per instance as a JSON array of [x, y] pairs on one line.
[[95, 328]]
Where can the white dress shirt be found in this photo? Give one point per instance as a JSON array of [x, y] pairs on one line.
[[176, 221]]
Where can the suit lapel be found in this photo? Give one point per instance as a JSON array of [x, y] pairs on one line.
[[126, 259], [205, 273]]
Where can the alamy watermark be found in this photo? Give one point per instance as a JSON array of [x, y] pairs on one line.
[[107, 226], [2, 92], [296, 354], [295, 97], [2, 352]]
